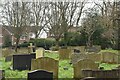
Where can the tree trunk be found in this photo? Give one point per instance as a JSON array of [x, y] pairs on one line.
[[89, 43], [57, 43], [17, 42]]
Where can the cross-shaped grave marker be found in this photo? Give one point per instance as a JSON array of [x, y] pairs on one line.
[[30, 48]]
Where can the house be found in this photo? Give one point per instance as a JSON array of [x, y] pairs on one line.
[[8, 32], [71, 29]]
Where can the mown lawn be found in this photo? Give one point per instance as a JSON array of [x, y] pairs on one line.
[[65, 68]]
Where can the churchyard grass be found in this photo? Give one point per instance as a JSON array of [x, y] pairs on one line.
[[108, 66], [65, 69]]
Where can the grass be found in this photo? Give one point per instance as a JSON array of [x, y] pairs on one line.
[[65, 69], [108, 66]]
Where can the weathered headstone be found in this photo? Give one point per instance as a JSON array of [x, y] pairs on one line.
[[84, 64], [45, 63], [80, 48], [40, 75], [8, 58], [93, 49], [65, 54], [39, 53], [109, 57], [6, 52], [2, 75], [92, 56], [76, 57], [22, 61], [31, 48]]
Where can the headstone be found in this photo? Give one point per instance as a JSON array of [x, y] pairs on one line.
[[76, 57], [22, 61], [40, 75], [8, 58], [92, 56], [2, 75], [31, 48], [84, 64], [93, 49], [6, 52], [45, 63], [109, 57], [39, 53], [65, 54], [80, 48]]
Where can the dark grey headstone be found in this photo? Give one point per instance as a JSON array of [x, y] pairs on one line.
[[8, 58], [2, 74], [40, 75], [22, 61]]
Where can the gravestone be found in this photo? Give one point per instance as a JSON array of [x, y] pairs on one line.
[[93, 49], [31, 48], [84, 64], [80, 48], [40, 75], [2, 75], [45, 63], [109, 57], [76, 57], [8, 58], [92, 56], [65, 54], [6, 52], [39, 53], [22, 61]]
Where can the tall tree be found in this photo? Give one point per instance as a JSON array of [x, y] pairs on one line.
[[15, 15], [62, 16], [38, 11]]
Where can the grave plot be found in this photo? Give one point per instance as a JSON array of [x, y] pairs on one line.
[[84, 64], [22, 61], [40, 75], [45, 63]]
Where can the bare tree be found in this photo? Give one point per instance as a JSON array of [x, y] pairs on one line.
[[90, 24], [38, 10], [15, 15], [108, 11], [62, 16]]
